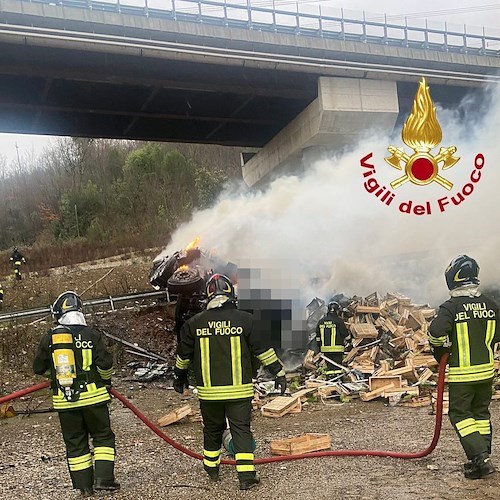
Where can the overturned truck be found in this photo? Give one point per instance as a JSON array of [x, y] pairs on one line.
[[184, 274]]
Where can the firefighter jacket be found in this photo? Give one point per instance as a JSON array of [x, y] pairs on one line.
[[17, 258], [221, 343], [331, 333], [94, 366], [470, 325]]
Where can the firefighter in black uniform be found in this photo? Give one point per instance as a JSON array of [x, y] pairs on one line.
[[467, 327], [75, 357], [331, 334], [17, 259], [1, 296], [220, 342]]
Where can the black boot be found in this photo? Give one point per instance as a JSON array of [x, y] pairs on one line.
[[480, 467], [106, 484], [249, 482], [213, 473]]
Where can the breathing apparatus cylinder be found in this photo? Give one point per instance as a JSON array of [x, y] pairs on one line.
[[64, 363], [227, 441]]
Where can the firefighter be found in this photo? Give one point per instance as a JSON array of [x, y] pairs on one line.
[[466, 326], [17, 259], [220, 342], [331, 334], [75, 358], [1, 297]]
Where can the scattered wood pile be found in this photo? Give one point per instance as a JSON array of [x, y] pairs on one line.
[[389, 355]]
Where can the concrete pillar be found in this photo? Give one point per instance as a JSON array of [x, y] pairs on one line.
[[345, 109]]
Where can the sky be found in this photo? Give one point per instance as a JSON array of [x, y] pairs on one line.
[[471, 12]]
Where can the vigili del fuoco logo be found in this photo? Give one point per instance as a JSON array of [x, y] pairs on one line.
[[422, 133]]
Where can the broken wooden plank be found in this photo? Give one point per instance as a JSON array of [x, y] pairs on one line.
[[304, 394], [424, 360], [426, 374], [174, 416], [301, 444], [368, 396], [367, 309], [416, 402], [408, 389]]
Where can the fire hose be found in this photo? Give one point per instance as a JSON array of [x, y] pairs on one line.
[[328, 453]]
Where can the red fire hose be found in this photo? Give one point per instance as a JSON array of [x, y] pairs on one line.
[[330, 453], [23, 392]]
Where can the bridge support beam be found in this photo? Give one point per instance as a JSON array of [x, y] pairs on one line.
[[344, 110]]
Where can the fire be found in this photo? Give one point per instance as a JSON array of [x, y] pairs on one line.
[[421, 130], [184, 267], [193, 244]]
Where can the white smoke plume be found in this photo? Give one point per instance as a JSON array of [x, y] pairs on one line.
[[322, 231]]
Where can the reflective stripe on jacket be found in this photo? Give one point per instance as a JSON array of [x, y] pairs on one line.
[[331, 333], [221, 343], [470, 324]]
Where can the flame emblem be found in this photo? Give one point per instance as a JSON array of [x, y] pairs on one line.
[[422, 132]]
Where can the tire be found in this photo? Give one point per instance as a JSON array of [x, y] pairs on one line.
[[185, 281]]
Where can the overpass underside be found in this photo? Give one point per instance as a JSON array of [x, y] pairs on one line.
[[80, 72], [345, 109]]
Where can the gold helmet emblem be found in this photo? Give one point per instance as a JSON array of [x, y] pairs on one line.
[[422, 132]]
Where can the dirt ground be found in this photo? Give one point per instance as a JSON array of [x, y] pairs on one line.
[[32, 462]]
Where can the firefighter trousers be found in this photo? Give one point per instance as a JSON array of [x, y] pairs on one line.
[[470, 415], [76, 426], [331, 369], [238, 414]]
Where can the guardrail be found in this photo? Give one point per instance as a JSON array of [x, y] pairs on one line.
[[257, 17], [41, 311]]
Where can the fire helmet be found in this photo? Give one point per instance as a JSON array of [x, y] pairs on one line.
[[66, 302], [218, 284], [334, 307], [462, 270]]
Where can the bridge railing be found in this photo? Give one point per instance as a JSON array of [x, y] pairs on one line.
[[256, 16]]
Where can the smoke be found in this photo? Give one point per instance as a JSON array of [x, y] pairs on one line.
[[319, 232]]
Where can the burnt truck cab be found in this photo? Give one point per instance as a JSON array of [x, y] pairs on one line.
[[184, 275]]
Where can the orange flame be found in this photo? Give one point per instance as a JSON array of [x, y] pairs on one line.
[[421, 130], [193, 244], [184, 267]]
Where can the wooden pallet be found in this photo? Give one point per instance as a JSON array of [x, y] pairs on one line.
[[364, 331], [302, 444], [377, 382], [281, 406]]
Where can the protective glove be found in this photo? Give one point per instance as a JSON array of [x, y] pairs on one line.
[[439, 351], [280, 382], [180, 382]]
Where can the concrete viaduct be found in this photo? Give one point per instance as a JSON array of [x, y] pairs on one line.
[[219, 72]]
